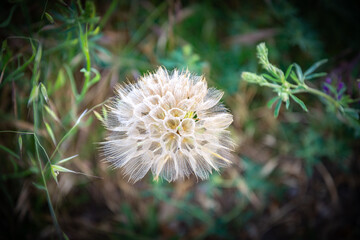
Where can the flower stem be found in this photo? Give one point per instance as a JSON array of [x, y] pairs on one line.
[[324, 95], [318, 93], [52, 212]]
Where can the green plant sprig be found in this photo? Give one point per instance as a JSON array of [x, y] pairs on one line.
[[292, 82]]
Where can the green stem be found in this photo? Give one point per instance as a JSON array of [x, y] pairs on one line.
[[318, 93], [52, 212], [62, 140], [108, 13], [87, 74], [72, 129]]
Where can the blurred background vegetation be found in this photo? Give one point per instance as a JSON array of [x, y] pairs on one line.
[[294, 177]]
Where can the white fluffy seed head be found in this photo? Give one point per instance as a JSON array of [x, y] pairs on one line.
[[170, 123]]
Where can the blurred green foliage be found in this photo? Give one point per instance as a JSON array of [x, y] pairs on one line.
[[60, 61]]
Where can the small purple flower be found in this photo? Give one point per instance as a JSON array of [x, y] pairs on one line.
[[338, 90], [340, 86], [325, 87]]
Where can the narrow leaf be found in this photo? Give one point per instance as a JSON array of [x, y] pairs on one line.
[[38, 57], [49, 17], [301, 103], [4, 45], [8, 19], [51, 133], [67, 159], [315, 66], [104, 111], [11, 152], [61, 169], [294, 77], [20, 143], [44, 92], [33, 94], [98, 116], [52, 114], [72, 80], [331, 88], [65, 236], [271, 78], [288, 71], [38, 186], [299, 72], [315, 75], [60, 80], [54, 174], [287, 103], [277, 108], [271, 102]]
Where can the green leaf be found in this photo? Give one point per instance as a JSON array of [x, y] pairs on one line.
[[60, 80], [49, 17], [54, 174], [96, 31], [51, 133], [19, 70], [315, 66], [61, 169], [342, 91], [72, 80], [277, 108], [301, 103], [294, 77], [288, 71], [271, 102], [51, 113], [331, 88], [98, 116], [299, 73], [271, 78], [104, 111], [44, 92], [89, 9], [38, 58], [4, 45], [7, 21], [20, 143], [315, 75], [287, 103], [67, 159], [33, 94], [11, 152], [65, 236], [38, 186]]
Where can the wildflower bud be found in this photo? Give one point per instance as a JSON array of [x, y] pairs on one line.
[[284, 96], [169, 123], [251, 77]]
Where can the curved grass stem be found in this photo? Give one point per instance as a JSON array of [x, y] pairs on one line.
[[51, 208]]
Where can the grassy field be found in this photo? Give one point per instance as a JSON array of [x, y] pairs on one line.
[[295, 173]]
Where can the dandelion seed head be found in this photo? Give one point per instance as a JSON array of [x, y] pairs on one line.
[[170, 123]]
